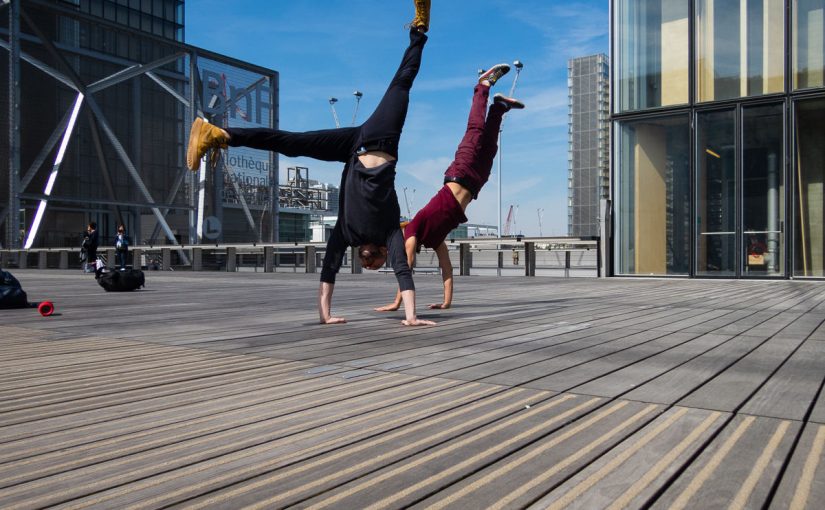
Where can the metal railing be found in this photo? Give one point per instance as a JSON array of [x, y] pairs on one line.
[[564, 257]]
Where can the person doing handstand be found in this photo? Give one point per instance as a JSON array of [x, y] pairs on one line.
[[463, 180], [368, 211]]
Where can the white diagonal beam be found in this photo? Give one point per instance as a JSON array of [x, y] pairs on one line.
[[41, 208]]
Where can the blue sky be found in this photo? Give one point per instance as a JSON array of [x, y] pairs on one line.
[[330, 48]]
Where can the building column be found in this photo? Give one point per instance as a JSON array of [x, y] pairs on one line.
[[13, 219]]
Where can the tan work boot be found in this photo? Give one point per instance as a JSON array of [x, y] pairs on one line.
[[422, 15], [202, 137]]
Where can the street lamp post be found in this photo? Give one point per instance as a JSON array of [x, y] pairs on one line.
[[358, 95], [332, 102], [518, 64]]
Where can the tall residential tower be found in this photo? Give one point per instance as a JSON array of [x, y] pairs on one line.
[[589, 146]]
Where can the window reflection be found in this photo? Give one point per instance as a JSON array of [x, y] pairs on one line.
[[809, 237], [653, 197], [739, 48], [652, 43], [763, 191], [808, 43], [716, 194]]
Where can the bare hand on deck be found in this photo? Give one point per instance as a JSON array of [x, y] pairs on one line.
[[417, 322]]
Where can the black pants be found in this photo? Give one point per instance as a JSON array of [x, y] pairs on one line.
[[380, 132]]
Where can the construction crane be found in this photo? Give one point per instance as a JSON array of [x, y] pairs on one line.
[[509, 222]]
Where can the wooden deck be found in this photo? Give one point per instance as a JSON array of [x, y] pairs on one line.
[[222, 391]]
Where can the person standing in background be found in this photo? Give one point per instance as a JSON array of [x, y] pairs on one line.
[[121, 247], [91, 241]]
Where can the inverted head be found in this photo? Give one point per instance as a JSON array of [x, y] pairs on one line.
[[372, 256]]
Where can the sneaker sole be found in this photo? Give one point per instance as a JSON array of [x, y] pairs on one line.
[[192, 159], [493, 71]]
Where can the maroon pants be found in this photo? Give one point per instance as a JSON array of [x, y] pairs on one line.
[[477, 150]]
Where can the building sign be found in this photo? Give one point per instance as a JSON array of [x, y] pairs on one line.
[[236, 98], [252, 106]]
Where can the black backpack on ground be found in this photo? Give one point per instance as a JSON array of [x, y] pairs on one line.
[[11, 293], [120, 281]]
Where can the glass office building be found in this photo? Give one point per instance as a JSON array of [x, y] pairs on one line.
[[718, 160]]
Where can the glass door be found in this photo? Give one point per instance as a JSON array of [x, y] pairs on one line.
[[762, 252], [716, 193]]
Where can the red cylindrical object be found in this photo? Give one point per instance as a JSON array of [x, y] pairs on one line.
[[45, 308]]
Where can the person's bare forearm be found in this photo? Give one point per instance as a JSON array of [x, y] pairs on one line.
[[408, 297], [395, 305], [448, 291], [325, 304]]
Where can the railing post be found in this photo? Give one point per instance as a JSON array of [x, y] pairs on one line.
[[530, 259], [197, 259], [269, 252], [64, 260], [309, 259], [42, 260], [22, 259], [567, 263], [110, 258], [137, 253], [166, 258], [356, 261], [231, 259], [465, 259], [500, 262]]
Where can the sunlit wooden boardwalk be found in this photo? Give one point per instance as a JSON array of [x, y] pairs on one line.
[[222, 391]]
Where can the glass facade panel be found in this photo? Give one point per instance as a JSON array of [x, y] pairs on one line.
[[763, 191], [653, 196], [716, 193], [808, 43], [739, 48], [652, 39], [809, 170]]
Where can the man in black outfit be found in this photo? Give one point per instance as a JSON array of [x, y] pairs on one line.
[[368, 211], [91, 241]]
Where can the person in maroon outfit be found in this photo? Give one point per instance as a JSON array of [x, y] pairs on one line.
[[463, 180]]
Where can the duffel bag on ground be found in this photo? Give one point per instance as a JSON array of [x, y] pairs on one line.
[[11, 293], [120, 281]]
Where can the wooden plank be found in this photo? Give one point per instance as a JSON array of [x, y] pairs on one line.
[[631, 473], [402, 483], [582, 374], [197, 400], [791, 392], [675, 384], [803, 486], [731, 389], [637, 374], [235, 423], [738, 468], [368, 439]]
